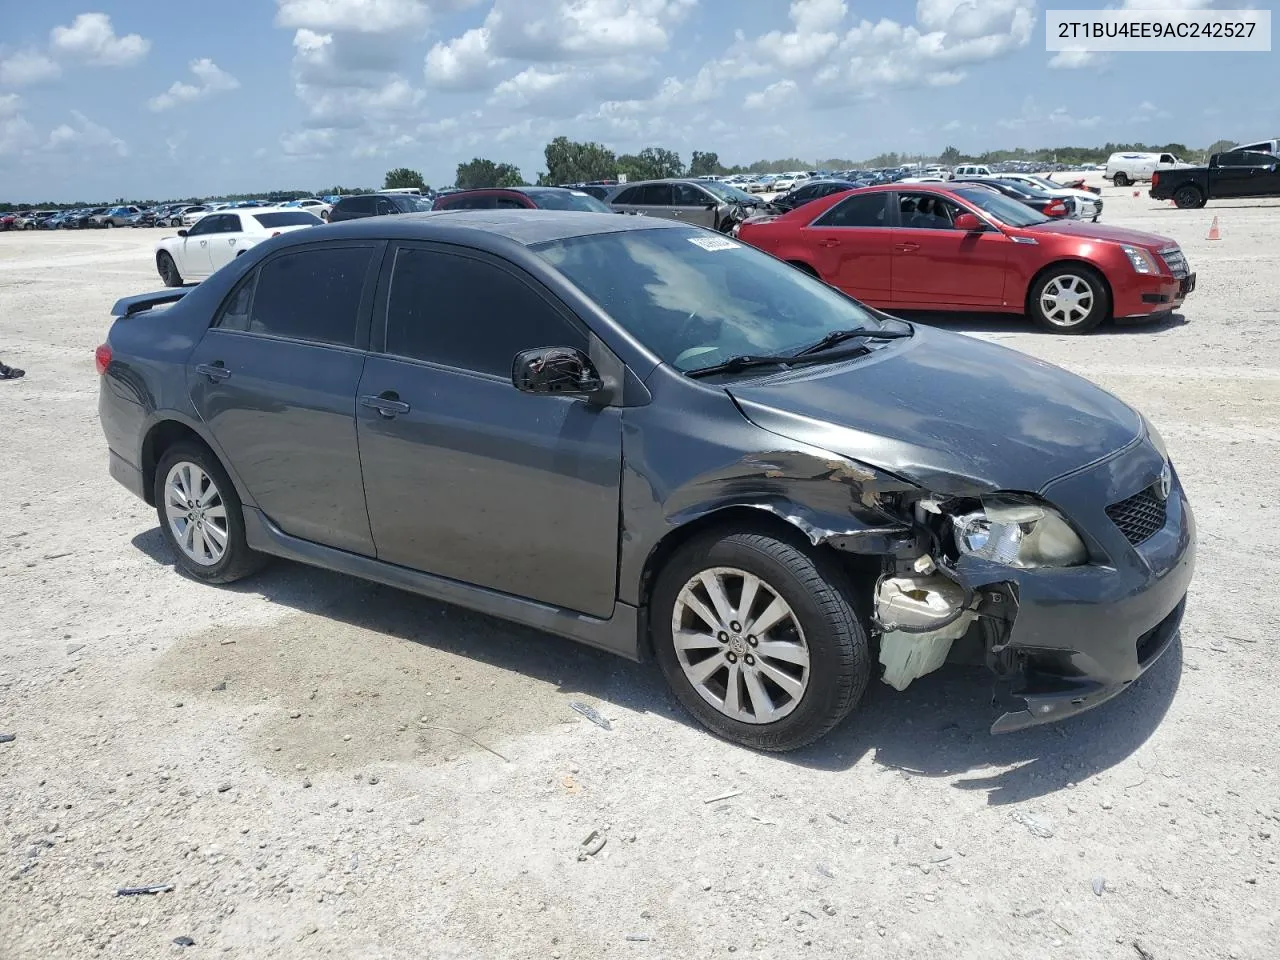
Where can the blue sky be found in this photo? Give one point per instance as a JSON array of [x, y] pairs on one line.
[[142, 98]]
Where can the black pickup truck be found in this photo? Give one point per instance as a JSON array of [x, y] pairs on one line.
[[1235, 173]]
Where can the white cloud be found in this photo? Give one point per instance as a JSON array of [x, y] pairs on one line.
[[351, 107], [812, 40], [463, 63], [27, 67], [548, 30], [951, 125], [85, 133], [356, 16], [772, 96], [16, 132], [92, 38], [212, 79], [309, 143], [1032, 115], [1074, 59]]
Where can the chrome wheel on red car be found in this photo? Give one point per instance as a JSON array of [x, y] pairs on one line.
[[1068, 299]]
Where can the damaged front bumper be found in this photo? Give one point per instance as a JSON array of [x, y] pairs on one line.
[[1075, 637]]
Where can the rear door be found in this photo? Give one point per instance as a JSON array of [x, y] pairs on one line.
[[275, 380], [937, 266], [655, 200], [466, 476], [851, 245]]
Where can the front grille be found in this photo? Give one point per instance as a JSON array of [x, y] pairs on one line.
[[1139, 516], [1175, 261]]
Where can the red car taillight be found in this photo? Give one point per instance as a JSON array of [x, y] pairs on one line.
[[1056, 209], [1155, 179], [102, 358]]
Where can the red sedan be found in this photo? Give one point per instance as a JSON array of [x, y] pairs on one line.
[[967, 247]]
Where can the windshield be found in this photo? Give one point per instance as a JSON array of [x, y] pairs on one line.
[[725, 191], [1045, 183], [569, 200], [1005, 209], [698, 299]]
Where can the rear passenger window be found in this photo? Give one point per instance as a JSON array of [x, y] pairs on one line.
[[630, 195], [234, 314], [867, 210], [468, 313], [312, 295]]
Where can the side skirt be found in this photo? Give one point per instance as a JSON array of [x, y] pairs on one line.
[[619, 634]]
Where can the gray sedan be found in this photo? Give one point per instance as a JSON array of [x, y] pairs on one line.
[[661, 442], [704, 203]]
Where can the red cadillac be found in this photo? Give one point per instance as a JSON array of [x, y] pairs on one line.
[[967, 247]]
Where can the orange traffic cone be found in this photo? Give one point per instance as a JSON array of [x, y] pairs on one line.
[[1172, 204], [1214, 232]]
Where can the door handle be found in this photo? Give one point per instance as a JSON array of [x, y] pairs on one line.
[[828, 243], [204, 243], [387, 404], [906, 247], [215, 371]]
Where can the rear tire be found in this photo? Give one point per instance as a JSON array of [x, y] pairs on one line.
[[1071, 299], [201, 516], [1121, 180], [1188, 198], [168, 269], [819, 627]]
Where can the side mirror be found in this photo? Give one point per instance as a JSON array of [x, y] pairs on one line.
[[182, 233], [969, 222], [556, 370]]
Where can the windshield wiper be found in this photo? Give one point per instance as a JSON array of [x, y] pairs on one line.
[[741, 363], [840, 336]]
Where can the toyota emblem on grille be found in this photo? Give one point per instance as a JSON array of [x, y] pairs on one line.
[[1165, 484]]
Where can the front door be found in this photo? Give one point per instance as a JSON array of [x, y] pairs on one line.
[[692, 204], [852, 246], [465, 476], [196, 261], [936, 266], [226, 241], [275, 380]]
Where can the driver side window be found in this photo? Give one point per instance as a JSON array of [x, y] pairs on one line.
[[206, 224], [687, 195], [924, 211]]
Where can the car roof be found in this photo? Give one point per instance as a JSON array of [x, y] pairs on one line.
[[476, 227]]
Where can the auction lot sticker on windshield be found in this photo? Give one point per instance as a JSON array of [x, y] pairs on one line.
[[1152, 30], [714, 243]]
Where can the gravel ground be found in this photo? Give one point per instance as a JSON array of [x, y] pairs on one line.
[[320, 766]]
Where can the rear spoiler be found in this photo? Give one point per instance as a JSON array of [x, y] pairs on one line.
[[128, 306]]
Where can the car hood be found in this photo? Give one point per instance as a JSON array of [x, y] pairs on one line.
[[1098, 231], [955, 414]]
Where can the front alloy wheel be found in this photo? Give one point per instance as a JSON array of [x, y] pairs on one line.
[[746, 656], [1069, 300], [758, 639]]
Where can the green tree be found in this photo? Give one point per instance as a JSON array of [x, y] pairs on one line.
[[480, 172], [571, 162], [651, 163], [950, 156], [1218, 146], [704, 164], [404, 177]]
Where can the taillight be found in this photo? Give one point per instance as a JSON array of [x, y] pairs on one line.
[[1055, 209], [102, 358], [1155, 180]]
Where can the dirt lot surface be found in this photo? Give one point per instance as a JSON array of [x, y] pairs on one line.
[[324, 767]]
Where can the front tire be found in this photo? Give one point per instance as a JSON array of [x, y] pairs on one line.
[[1121, 180], [1188, 198], [797, 662], [201, 517], [168, 269], [1071, 298]]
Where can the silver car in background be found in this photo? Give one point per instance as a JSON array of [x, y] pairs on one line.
[[704, 203]]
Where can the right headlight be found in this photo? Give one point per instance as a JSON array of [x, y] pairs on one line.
[[1018, 533]]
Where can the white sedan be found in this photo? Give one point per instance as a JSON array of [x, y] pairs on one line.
[[218, 237], [312, 205], [1088, 204]]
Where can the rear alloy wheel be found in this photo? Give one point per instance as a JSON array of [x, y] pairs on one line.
[[1121, 180], [758, 641], [1069, 299], [168, 269], [1188, 198], [200, 516]]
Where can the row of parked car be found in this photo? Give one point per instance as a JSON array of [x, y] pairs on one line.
[[999, 244], [163, 215]]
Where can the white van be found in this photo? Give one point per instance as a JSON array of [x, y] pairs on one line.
[[1126, 168], [972, 170], [412, 191]]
